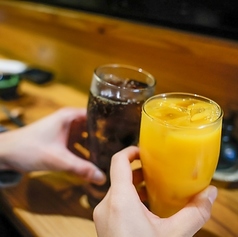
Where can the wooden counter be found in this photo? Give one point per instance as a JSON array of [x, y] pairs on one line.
[[48, 204], [73, 43]]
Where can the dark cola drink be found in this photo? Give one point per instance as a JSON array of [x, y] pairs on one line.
[[112, 126], [114, 112]]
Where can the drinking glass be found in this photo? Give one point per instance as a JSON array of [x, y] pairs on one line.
[[179, 144], [113, 115]]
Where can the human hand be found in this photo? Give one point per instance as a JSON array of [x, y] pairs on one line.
[[42, 145], [121, 212]]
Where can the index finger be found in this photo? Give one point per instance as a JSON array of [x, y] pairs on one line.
[[121, 171]]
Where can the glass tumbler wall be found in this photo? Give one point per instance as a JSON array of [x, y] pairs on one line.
[[114, 111], [179, 147]]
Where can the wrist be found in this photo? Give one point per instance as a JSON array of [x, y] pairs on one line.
[[4, 148], [8, 150], [8, 177]]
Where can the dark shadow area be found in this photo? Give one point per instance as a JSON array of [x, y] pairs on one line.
[[211, 17], [7, 229], [205, 233], [42, 198]]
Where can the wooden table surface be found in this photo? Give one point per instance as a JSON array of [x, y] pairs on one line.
[[48, 204]]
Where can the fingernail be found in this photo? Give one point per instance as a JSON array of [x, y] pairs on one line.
[[212, 194], [99, 177]]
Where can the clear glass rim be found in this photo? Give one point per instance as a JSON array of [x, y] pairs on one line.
[[184, 94], [150, 85]]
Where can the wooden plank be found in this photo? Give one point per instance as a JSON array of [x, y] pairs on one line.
[[73, 43]]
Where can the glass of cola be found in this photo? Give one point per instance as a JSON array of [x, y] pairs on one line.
[[116, 96]]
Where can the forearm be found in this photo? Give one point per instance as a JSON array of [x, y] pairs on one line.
[[8, 176], [21, 150], [6, 145]]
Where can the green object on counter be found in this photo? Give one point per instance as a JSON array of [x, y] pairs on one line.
[[9, 81]]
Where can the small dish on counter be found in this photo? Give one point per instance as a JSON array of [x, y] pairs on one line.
[[10, 76], [13, 71]]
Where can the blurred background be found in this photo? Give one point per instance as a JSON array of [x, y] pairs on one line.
[[213, 17]]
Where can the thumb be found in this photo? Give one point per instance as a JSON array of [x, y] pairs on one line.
[[196, 213], [88, 171], [65, 160]]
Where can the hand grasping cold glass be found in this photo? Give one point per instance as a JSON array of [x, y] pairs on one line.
[[42, 145], [121, 212]]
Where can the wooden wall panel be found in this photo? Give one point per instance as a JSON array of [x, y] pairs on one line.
[[73, 43]]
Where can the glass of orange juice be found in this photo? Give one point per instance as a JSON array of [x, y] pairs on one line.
[[179, 143]]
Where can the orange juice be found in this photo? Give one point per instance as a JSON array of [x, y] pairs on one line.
[[179, 147]]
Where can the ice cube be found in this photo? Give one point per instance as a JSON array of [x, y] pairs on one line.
[[134, 84], [185, 103], [203, 112], [113, 79], [180, 121], [123, 82], [204, 115]]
